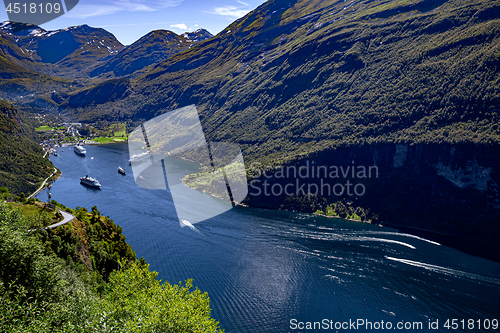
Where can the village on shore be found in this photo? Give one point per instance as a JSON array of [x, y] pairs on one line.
[[55, 133]]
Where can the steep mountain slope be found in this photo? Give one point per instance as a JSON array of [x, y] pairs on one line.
[[21, 84], [21, 164], [301, 75], [412, 87], [10, 49], [106, 91], [151, 49]]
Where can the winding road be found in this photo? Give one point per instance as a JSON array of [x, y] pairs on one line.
[[67, 218], [43, 184]]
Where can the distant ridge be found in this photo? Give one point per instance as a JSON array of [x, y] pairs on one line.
[[149, 50], [84, 52]]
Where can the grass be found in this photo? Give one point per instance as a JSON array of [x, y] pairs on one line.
[[45, 128], [115, 133], [36, 211], [119, 129], [26, 210], [103, 140], [110, 139]]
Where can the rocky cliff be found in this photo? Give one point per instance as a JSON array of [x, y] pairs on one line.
[[433, 189]]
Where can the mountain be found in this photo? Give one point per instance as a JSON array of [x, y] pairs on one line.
[[70, 52], [330, 74], [81, 51], [22, 166], [17, 83], [11, 51], [412, 87], [197, 36], [20, 29], [107, 91], [151, 49]]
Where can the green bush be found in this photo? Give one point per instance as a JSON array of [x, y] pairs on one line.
[[41, 292]]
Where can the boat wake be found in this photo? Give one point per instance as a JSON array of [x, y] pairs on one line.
[[447, 271], [190, 226], [405, 235], [383, 240]]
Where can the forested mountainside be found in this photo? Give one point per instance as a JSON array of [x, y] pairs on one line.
[[22, 166], [412, 87], [300, 76]]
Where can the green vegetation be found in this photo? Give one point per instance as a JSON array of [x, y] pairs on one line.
[[346, 210], [118, 130], [106, 91], [115, 133], [107, 133], [16, 80], [214, 182], [323, 74], [48, 285], [104, 140], [22, 168], [4, 193], [44, 128], [37, 212]]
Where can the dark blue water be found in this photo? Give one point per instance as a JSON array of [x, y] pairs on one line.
[[264, 268]]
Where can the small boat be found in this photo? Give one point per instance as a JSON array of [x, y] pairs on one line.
[[50, 195], [121, 170], [55, 153], [80, 150], [89, 181]]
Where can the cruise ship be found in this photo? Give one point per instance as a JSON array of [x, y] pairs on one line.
[[89, 181], [80, 150], [139, 157]]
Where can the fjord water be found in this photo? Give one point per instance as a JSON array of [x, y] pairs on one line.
[[263, 268]]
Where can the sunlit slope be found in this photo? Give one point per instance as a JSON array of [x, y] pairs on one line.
[[294, 77]]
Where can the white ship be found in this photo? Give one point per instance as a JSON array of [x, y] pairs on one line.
[[139, 157], [80, 150], [89, 181]]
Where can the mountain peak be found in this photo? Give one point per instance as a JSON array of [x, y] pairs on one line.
[[198, 35], [20, 29]]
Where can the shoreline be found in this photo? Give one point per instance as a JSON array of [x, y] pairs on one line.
[[345, 219], [446, 240], [45, 184], [315, 214], [453, 242]]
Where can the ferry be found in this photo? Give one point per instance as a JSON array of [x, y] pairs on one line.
[[139, 157], [80, 150], [121, 170], [89, 181]]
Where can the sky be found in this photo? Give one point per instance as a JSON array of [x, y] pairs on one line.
[[129, 20]]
